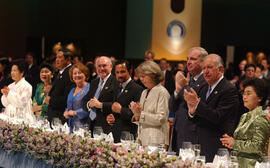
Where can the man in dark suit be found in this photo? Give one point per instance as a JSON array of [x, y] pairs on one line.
[[57, 98], [168, 82], [32, 71], [184, 129], [215, 112], [128, 91], [102, 91]]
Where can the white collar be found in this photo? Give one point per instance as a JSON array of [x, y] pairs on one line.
[[216, 83], [197, 76], [62, 70], [124, 84], [105, 79]]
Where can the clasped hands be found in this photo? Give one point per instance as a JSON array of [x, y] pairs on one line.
[[227, 141], [136, 108], [5, 91], [94, 102], [116, 107], [70, 113]]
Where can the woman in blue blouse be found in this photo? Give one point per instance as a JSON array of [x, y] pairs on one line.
[[79, 74]]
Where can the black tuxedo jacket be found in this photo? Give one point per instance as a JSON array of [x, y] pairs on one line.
[[59, 93], [184, 129], [132, 92], [169, 82], [216, 116], [32, 76], [107, 95]]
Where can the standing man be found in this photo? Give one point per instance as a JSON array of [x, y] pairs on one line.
[[32, 71], [149, 55], [215, 112], [184, 130], [58, 94], [168, 82], [128, 91], [100, 95]]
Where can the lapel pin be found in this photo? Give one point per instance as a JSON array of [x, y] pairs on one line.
[[198, 85], [126, 91], [106, 87], [215, 92]]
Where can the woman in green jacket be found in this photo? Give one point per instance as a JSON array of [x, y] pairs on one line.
[[251, 137]]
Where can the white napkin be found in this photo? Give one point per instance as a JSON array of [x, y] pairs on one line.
[[109, 137]]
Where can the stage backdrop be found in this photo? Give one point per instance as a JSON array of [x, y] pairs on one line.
[[176, 27]]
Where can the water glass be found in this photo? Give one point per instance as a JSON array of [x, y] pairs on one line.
[[186, 145], [97, 131], [197, 149], [126, 137], [233, 156], [200, 160]]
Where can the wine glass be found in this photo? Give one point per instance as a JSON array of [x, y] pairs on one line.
[[200, 160], [197, 149], [126, 137], [186, 145], [97, 131], [56, 122], [223, 156]]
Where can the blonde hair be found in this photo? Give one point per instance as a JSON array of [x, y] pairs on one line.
[[152, 69]]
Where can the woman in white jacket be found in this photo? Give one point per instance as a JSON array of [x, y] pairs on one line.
[[16, 97]]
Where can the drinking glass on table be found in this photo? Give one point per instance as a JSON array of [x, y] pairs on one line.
[[186, 152], [197, 149], [186, 145], [97, 131], [223, 156], [126, 137]]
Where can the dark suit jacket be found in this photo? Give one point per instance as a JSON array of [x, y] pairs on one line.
[[32, 76], [59, 93], [184, 129], [132, 92], [216, 116], [107, 95], [169, 82]]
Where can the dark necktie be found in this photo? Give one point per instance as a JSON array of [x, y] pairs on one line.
[[119, 90]]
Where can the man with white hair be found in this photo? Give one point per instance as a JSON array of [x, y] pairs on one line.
[[102, 91], [215, 111]]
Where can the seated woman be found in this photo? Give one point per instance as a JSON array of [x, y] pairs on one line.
[[16, 97], [151, 114], [251, 137], [40, 105], [79, 74]]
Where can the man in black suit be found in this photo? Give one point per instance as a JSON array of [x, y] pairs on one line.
[[215, 112], [102, 91], [57, 98], [32, 72], [128, 91], [168, 82], [184, 129]]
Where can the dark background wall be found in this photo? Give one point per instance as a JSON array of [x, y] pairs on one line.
[[123, 27]]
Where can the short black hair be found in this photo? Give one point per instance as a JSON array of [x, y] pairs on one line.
[[123, 62], [259, 87], [67, 52], [46, 65], [260, 66], [250, 65], [21, 65]]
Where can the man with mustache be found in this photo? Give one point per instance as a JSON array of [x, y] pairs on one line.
[[128, 91]]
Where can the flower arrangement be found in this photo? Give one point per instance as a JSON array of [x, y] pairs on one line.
[[69, 150]]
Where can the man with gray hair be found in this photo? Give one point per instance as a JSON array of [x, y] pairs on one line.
[[102, 91], [183, 128], [215, 110]]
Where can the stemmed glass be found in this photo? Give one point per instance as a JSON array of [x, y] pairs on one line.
[[223, 156], [186, 152], [97, 131], [56, 123], [197, 149]]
